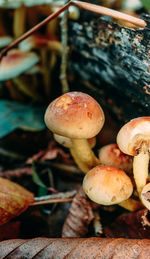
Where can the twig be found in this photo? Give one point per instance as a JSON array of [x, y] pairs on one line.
[[51, 201], [110, 12], [60, 195], [90, 7], [54, 198], [64, 39], [35, 28]]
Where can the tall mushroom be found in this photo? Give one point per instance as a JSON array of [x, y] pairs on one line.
[[134, 139], [66, 142], [78, 116]]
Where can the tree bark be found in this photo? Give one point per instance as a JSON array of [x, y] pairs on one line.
[[113, 64]]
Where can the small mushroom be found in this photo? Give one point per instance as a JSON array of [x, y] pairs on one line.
[[40, 41], [113, 156], [15, 63], [77, 116], [107, 185], [5, 40], [134, 139]]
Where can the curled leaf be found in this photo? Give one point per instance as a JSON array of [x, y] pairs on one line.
[[14, 199], [79, 217]]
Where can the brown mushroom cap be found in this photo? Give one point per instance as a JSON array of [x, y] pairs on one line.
[[113, 156], [107, 185], [75, 115], [133, 135]]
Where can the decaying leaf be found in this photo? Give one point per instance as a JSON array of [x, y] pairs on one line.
[[14, 199], [20, 116], [81, 248], [79, 217], [130, 225], [48, 154], [16, 172]]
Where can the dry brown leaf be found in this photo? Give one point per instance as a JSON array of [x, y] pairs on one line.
[[75, 248], [79, 217], [14, 199], [48, 154], [10, 230], [130, 225], [16, 172]]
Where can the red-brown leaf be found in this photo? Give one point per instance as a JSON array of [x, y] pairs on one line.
[[14, 199], [130, 225], [79, 217], [75, 248]]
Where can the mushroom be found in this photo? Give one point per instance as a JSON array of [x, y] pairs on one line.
[[19, 20], [78, 116], [66, 142], [14, 64], [134, 139], [113, 156], [41, 41], [5, 40], [107, 185], [44, 43]]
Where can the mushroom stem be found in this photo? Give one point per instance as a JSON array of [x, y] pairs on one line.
[[140, 170], [19, 21], [84, 168], [85, 153], [23, 87], [131, 204]]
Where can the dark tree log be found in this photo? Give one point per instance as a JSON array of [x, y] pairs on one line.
[[113, 64]]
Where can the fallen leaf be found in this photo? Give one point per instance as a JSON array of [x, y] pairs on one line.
[[75, 248], [10, 230], [16, 172], [48, 154], [130, 225], [79, 217], [14, 199], [15, 115]]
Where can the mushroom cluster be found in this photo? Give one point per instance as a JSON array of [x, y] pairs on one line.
[[75, 118]]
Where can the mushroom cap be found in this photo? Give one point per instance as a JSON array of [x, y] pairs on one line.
[[15, 63], [113, 156], [66, 142], [107, 185], [133, 135], [5, 40], [35, 41], [74, 115]]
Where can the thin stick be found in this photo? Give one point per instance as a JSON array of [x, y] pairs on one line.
[[60, 195], [90, 7], [51, 201], [64, 40], [109, 12], [35, 28]]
